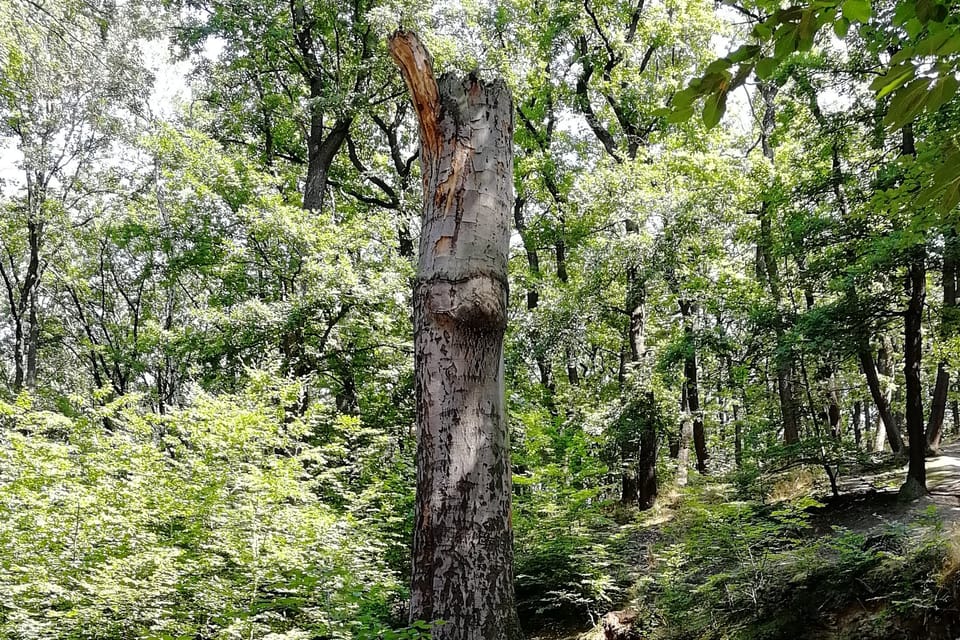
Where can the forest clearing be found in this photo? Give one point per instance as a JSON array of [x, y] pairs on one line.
[[486, 320]]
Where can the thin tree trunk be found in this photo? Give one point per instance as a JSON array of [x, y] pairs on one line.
[[857, 431], [462, 549], [533, 297], [646, 465], [692, 386], [683, 459], [916, 483], [789, 410], [882, 402], [737, 438], [938, 407], [955, 409]]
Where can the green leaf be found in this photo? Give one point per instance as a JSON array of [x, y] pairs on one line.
[[901, 56], [841, 27], [930, 11], [931, 44], [744, 53], [685, 97], [716, 81], [766, 67], [905, 11], [713, 109], [786, 41], [907, 103], [857, 10], [893, 79], [762, 31], [913, 27], [718, 65], [680, 115], [806, 30], [942, 92]]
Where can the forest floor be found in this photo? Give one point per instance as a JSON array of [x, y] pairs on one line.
[[868, 505], [870, 499]]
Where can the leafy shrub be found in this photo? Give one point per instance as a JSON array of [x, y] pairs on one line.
[[214, 521]]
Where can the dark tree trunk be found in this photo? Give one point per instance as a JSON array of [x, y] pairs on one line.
[[463, 539], [789, 410], [691, 383], [916, 483], [955, 409], [22, 291], [533, 295], [322, 147], [691, 376], [938, 409], [737, 438], [948, 326], [647, 467], [879, 399]]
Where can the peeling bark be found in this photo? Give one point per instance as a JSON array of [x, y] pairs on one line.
[[462, 548]]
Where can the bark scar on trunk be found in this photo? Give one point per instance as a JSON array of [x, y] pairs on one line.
[[478, 302], [416, 65]]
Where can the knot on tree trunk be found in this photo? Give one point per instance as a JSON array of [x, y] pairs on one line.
[[478, 302]]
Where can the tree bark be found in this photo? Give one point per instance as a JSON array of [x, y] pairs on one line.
[[789, 410], [948, 322], [646, 461], [855, 421], [916, 482], [890, 430], [647, 464], [691, 381], [955, 409], [463, 539]]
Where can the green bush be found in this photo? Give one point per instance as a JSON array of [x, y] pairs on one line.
[[215, 521]]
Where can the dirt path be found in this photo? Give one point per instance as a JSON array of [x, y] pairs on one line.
[[868, 502], [943, 481], [870, 499]]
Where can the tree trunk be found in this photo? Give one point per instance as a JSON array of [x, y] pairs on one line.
[[33, 342], [462, 549], [737, 438], [647, 467], [767, 265], [938, 409], [916, 483], [855, 420], [691, 383], [683, 457], [321, 149], [533, 298], [955, 409], [948, 324], [890, 431]]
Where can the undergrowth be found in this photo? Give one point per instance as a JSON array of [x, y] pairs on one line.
[[745, 571]]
